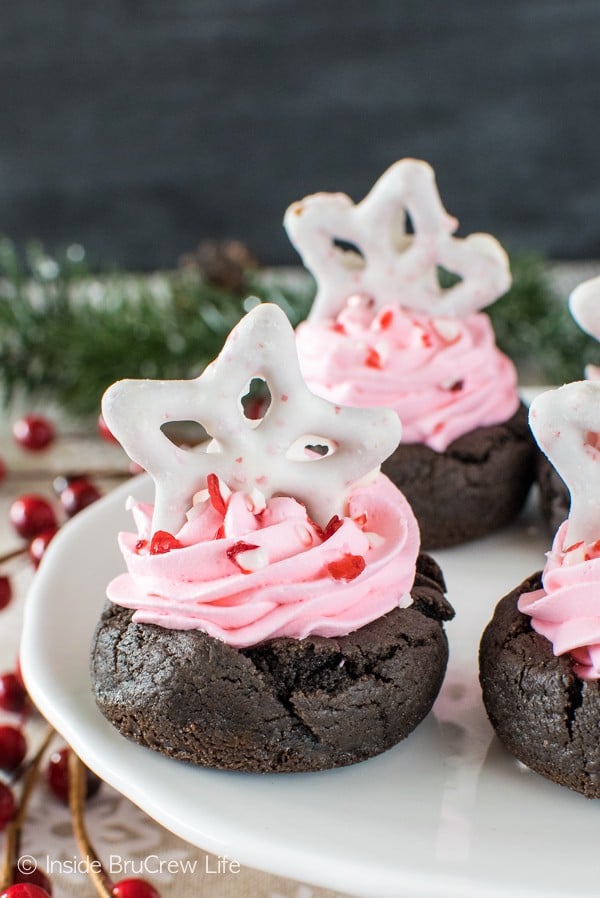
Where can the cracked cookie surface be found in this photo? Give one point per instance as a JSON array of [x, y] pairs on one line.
[[477, 485], [541, 711], [283, 705]]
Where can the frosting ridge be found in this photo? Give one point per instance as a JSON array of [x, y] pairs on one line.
[[443, 376], [262, 570], [567, 609]]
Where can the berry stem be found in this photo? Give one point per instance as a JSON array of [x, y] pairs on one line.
[[77, 790], [12, 836], [9, 556], [100, 473]]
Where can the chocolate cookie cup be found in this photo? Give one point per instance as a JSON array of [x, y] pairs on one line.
[[539, 656], [281, 706], [476, 486], [274, 614], [553, 494], [389, 328], [542, 712]]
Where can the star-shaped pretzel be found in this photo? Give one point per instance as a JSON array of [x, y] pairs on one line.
[[566, 425], [584, 304], [366, 249], [277, 455]]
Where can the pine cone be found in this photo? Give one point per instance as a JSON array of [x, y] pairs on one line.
[[223, 263]]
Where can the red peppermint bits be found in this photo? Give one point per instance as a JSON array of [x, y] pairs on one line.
[[347, 568], [214, 491], [385, 319], [141, 545], [360, 520], [329, 529], [373, 359], [593, 550], [332, 525], [162, 541], [238, 547]]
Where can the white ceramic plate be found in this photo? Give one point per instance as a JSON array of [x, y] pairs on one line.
[[446, 814]]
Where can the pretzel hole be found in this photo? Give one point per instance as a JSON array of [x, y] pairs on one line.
[[311, 447], [350, 255], [446, 278], [402, 231], [256, 399], [185, 433]]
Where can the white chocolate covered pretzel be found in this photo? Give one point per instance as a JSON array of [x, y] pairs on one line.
[[272, 456], [566, 425], [584, 305], [366, 250]]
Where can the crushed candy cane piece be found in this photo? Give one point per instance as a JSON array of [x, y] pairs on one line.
[[219, 493], [162, 541], [346, 568]]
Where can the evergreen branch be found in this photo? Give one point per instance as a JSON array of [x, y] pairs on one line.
[[66, 334]]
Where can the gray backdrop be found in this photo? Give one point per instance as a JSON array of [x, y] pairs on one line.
[[138, 128]]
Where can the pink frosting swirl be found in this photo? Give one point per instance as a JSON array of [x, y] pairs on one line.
[[567, 610], [251, 575], [444, 376]]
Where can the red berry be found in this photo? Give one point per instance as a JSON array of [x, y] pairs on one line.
[[18, 674], [78, 494], [31, 514], [25, 890], [5, 592], [105, 432], [347, 567], [38, 546], [34, 877], [13, 747], [57, 776], [7, 805], [133, 888], [33, 432], [13, 694]]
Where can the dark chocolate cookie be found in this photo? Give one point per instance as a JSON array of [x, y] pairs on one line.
[[541, 711], [284, 705], [476, 486], [554, 495]]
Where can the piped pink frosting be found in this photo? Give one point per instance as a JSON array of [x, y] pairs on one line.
[[567, 610], [287, 585], [444, 376]]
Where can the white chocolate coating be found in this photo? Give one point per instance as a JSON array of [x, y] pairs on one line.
[[394, 267], [566, 425], [584, 305], [243, 454]]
